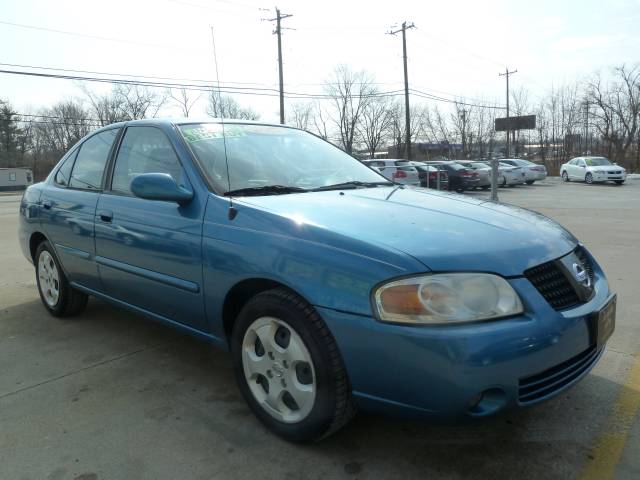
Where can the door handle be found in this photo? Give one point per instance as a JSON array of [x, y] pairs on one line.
[[47, 204], [105, 215]]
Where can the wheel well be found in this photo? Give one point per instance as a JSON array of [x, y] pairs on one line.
[[36, 239], [239, 295]]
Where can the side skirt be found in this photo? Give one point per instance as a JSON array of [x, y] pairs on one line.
[[217, 341]]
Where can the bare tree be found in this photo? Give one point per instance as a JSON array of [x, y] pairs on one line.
[[320, 120], [376, 122], [350, 92], [419, 119], [300, 115], [225, 106], [124, 102], [617, 110], [183, 100]]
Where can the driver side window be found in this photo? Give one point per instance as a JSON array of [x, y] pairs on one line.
[[144, 150]]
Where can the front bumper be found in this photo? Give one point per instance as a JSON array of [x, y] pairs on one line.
[[441, 371], [605, 176]]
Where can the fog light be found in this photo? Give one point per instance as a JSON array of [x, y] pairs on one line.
[[487, 402]]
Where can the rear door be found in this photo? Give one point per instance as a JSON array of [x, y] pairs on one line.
[[69, 205], [149, 251]]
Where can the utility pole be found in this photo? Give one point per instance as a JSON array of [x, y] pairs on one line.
[[407, 113], [278, 31], [506, 75], [586, 128], [494, 161]]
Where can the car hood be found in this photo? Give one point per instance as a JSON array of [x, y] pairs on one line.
[[445, 232]]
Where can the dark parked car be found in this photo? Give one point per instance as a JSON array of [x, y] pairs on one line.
[[460, 178], [429, 174]]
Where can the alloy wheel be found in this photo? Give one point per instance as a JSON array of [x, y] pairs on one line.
[[49, 279], [278, 369]]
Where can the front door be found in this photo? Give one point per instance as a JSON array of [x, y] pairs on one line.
[[148, 251]]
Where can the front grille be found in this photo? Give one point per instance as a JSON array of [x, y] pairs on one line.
[[618, 172], [539, 386], [553, 285]]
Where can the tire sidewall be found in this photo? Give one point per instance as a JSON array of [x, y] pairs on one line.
[[588, 178], [565, 176], [319, 419], [63, 296]]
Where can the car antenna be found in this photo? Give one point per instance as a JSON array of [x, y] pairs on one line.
[[232, 211]]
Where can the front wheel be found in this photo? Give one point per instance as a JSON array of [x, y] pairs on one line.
[[58, 297], [588, 178], [530, 182], [289, 369], [565, 177]]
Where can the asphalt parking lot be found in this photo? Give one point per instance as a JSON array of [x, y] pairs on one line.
[[111, 395]]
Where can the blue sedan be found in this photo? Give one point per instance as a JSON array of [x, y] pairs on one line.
[[333, 288]]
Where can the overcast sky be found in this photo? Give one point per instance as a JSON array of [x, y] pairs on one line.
[[458, 48]]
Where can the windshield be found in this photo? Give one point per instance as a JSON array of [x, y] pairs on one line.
[[261, 155], [597, 161]]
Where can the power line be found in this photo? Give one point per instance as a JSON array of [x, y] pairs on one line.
[[429, 96], [91, 36], [195, 87], [228, 89]]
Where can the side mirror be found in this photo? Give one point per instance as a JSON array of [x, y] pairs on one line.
[[160, 186]]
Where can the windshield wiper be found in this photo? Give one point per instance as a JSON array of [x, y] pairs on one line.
[[265, 190], [351, 184]]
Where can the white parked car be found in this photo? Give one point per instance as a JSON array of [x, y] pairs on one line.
[[592, 169], [508, 175], [532, 171], [396, 170]]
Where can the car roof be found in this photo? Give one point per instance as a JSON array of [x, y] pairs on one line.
[[171, 121]]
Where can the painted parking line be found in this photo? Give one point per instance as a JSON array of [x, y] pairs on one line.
[[611, 441]]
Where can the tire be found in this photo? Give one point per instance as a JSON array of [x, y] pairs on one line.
[[588, 178], [619, 182], [58, 297], [565, 176], [504, 182], [294, 334], [530, 182], [485, 187]]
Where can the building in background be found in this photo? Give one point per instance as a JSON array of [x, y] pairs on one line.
[[15, 178]]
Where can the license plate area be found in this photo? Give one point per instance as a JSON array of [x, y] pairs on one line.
[[603, 322]]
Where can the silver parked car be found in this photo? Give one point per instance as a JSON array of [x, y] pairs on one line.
[[532, 171], [396, 170], [592, 169]]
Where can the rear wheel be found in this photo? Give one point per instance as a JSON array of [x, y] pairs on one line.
[[588, 178], [58, 297], [565, 176], [289, 369]]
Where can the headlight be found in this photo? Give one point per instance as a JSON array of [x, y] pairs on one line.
[[446, 298]]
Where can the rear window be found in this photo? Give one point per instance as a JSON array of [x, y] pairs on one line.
[[91, 160]]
